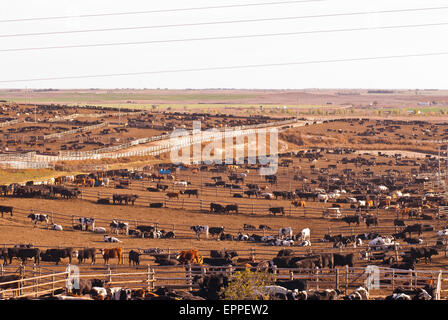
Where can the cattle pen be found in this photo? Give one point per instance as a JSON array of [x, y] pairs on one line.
[[38, 281]]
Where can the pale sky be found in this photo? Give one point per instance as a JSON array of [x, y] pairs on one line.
[[414, 72]]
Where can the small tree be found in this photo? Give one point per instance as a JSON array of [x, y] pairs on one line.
[[248, 285]]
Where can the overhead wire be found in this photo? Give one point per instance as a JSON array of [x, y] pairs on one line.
[[221, 22], [221, 37], [218, 68]]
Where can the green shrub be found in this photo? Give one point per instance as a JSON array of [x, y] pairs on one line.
[[244, 284]]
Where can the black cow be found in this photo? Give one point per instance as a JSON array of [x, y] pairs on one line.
[[308, 263], [119, 198], [399, 223], [8, 278], [4, 255], [134, 258], [216, 231], [231, 207], [264, 227], [168, 235], [191, 192], [344, 260], [103, 201], [6, 209], [423, 252], [223, 254], [249, 227], [215, 207], [327, 260], [146, 228], [226, 236], [87, 253], [406, 264], [211, 285], [251, 193], [156, 205], [70, 194], [218, 262], [23, 254], [413, 228], [285, 253], [351, 219], [275, 210], [371, 220], [162, 186], [55, 255], [297, 284]]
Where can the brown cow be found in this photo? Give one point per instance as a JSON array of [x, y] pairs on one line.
[[112, 253], [173, 195], [190, 256]]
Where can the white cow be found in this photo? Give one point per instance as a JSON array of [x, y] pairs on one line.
[[56, 227], [359, 294], [99, 230], [305, 243], [322, 197], [442, 233], [181, 183], [382, 243], [111, 239], [382, 188], [99, 292], [286, 242], [275, 291], [305, 234], [285, 233]]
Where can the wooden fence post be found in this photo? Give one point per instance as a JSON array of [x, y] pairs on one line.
[[148, 278], [393, 279], [396, 252], [337, 279], [189, 276], [109, 273], [438, 285], [346, 279]]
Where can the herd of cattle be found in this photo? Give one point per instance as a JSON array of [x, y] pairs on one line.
[[363, 192], [210, 284]]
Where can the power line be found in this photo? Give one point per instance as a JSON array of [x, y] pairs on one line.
[[160, 11], [222, 37], [220, 22], [217, 68]]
